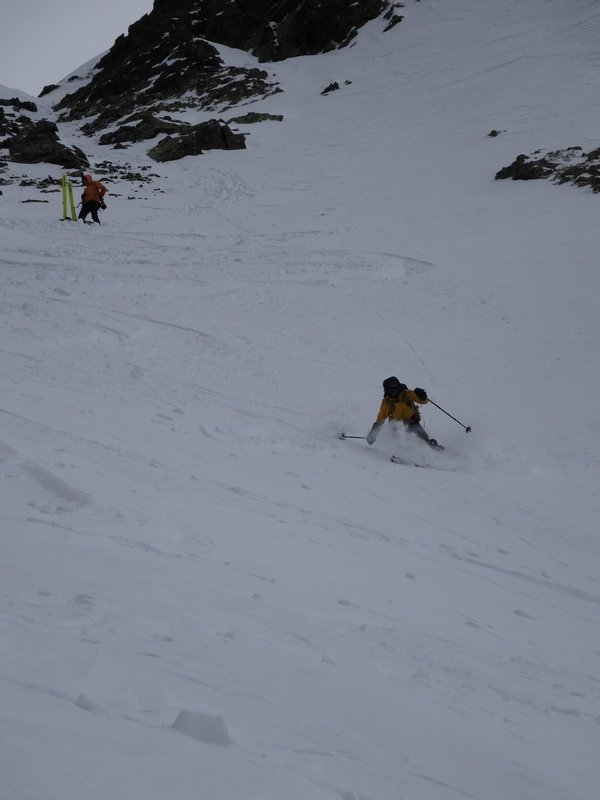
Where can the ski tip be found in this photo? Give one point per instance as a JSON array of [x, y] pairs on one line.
[[406, 463]]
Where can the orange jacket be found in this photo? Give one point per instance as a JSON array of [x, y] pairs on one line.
[[403, 408], [94, 190]]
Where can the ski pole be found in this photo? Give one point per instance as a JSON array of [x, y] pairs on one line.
[[466, 427], [345, 436]]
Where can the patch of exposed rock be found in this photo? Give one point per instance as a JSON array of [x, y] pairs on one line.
[[254, 116], [147, 127], [19, 105]]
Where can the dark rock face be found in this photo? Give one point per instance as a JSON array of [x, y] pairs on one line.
[[30, 142], [276, 29], [37, 142], [393, 18], [211, 135], [165, 63]]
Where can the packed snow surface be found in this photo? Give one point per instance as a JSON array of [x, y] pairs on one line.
[[204, 593]]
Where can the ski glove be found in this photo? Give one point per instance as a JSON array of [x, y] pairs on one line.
[[372, 435], [421, 394]]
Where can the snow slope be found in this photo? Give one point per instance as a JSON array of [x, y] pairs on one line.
[[204, 593]]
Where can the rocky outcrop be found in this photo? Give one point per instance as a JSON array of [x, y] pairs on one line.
[[571, 165], [10, 123], [161, 66], [34, 142], [211, 135], [38, 142]]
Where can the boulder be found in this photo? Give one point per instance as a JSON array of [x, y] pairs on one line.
[[148, 127]]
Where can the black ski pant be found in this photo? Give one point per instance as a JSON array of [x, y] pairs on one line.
[[89, 207]]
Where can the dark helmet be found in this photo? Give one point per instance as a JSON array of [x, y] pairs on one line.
[[392, 386]]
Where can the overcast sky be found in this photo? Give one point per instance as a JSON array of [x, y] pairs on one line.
[[42, 41]]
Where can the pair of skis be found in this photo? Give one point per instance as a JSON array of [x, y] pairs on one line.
[[67, 200], [394, 459]]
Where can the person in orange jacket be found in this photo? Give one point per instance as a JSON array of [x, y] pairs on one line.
[[399, 404], [92, 198]]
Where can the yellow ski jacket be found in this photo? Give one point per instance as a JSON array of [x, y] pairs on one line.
[[403, 408]]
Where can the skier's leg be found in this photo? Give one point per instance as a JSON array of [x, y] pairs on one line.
[[420, 431], [94, 209], [415, 427]]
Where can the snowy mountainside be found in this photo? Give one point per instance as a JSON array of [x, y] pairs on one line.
[[182, 528]]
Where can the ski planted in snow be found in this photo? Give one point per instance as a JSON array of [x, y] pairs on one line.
[[71, 201]]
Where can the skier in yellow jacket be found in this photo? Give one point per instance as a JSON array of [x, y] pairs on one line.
[[400, 405]]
